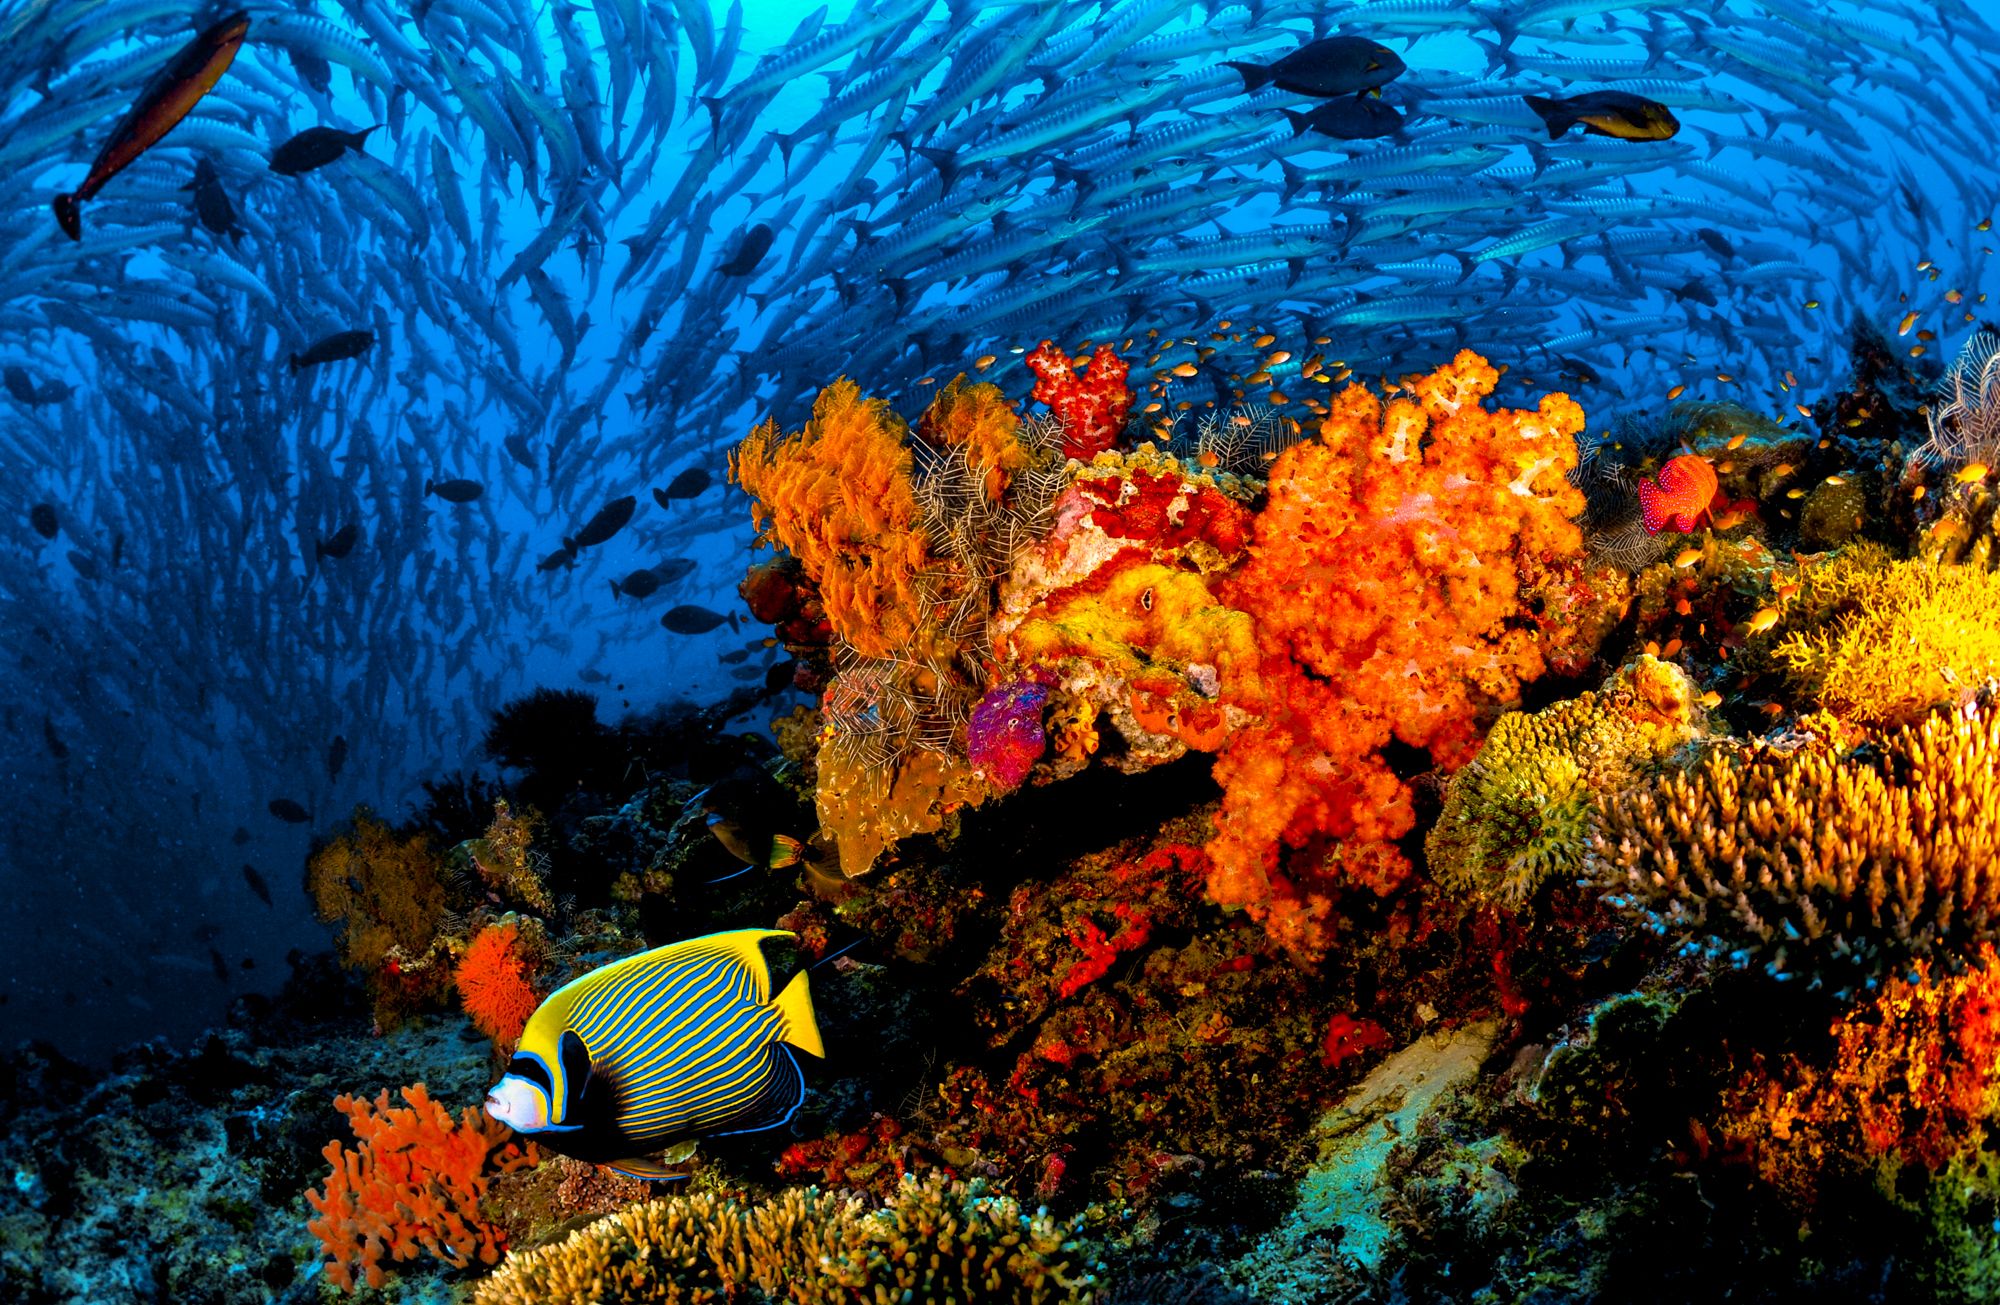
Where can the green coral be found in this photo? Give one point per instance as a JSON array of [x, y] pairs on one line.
[[931, 1241], [1900, 640], [1519, 813]]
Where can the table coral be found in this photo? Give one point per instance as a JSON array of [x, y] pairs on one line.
[[1519, 812], [931, 1241], [1384, 583], [411, 1186], [837, 495], [1850, 859]]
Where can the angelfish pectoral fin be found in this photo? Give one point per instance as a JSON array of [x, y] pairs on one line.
[[576, 1075], [651, 1171]]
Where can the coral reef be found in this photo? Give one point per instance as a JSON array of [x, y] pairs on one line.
[[1384, 583], [1519, 812], [1842, 856], [930, 1241], [1090, 408], [494, 980], [412, 1186], [384, 891]]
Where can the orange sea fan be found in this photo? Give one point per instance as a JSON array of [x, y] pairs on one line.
[[1384, 580], [838, 496], [493, 984], [978, 417]]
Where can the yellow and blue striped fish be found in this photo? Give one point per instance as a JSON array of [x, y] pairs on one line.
[[681, 1042]]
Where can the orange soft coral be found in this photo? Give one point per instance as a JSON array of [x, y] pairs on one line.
[[413, 1184], [1091, 407], [493, 984], [838, 497], [1384, 583], [979, 419]]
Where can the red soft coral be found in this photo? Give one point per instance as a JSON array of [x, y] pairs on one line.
[[412, 1185], [1091, 407]]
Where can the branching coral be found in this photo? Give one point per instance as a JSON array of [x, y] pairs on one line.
[[494, 982], [1898, 640], [1384, 581], [412, 1186], [930, 1242], [385, 892], [838, 496], [1855, 859], [1519, 812], [506, 861]]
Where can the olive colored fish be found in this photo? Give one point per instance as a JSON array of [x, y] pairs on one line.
[[750, 252], [288, 811], [640, 584], [315, 147], [42, 516], [604, 523], [338, 347], [1337, 65], [257, 884], [340, 545], [691, 483], [689, 619], [658, 1050], [1619, 114], [180, 85], [1361, 117]]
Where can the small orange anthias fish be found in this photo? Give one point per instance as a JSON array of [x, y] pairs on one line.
[[1680, 496]]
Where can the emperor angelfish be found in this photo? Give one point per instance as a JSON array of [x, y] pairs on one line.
[[681, 1042]]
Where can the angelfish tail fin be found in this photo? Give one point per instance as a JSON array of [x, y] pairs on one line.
[[797, 1024]]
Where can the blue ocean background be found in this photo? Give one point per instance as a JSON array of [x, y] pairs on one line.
[[537, 234]]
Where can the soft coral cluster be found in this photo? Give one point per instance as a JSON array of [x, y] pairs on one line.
[[413, 1185], [1091, 407], [1385, 582]]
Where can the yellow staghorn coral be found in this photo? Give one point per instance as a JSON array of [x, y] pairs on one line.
[[1856, 858], [838, 497], [1384, 581], [931, 1242], [978, 418], [1898, 640], [1518, 814]]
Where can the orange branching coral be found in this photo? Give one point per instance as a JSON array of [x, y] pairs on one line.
[[865, 808], [1384, 580], [412, 1185], [978, 418], [838, 497], [385, 892], [493, 983]]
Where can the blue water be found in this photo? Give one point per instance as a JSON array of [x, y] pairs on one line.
[[178, 658]]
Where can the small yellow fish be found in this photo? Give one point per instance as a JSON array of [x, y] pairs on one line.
[[1185, 369], [1985, 224], [1916, 351], [1812, 303], [1970, 472], [1725, 378], [983, 361], [1803, 411], [1151, 408], [1676, 392], [1909, 320], [1682, 607], [1791, 380], [1836, 480], [1761, 620], [1688, 557], [1795, 492], [1222, 325], [1278, 357], [1954, 296], [1919, 492], [1265, 341], [1258, 377], [1736, 440], [1673, 646], [1711, 699]]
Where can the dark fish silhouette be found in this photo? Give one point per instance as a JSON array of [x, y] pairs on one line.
[[640, 584], [517, 449], [1337, 65], [340, 545], [211, 202], [1618, 114], [674, 569], [336, 757], [241, 836], [19, 384], [689, 619], [257, 884], [563, 558], [1360, 117], [179, 86], [691, 483], [288, 811], [57, 748], [750, 251], [455, 490], [337, 347], [42, 517], [604, 523], [315, 147]]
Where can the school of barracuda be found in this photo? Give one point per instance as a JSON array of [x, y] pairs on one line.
[[590, 243]]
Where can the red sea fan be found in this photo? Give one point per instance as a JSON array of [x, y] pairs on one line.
[[493, 984]]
